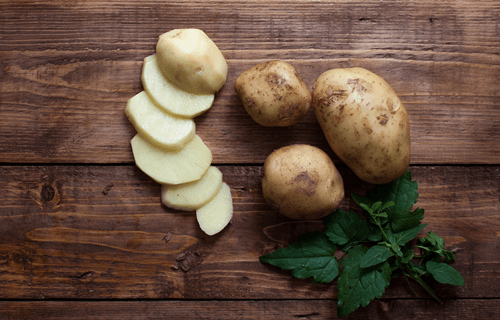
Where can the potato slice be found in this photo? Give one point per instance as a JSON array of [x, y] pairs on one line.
[[172, 166], [159, 127], [192, 195], [168, 96], [215, 215]]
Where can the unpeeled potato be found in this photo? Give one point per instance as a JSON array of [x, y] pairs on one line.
[[365, 123], [301, 182], [273, 94]]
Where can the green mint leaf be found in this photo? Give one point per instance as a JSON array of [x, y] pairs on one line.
[[434, 245], [313, 256], [449, 256], [432, 240], [418, 269], [407, 220], [403, 237], [444, 273], [376, 255], [400, 239], [397, 250], [342, 227], [376, 205], [381, 215], [376, 210], [364, 202], [403, 192], [387, 205], [366, 208], [408, 254], [357, 286], [392, 242], [375, 234], [372, 207]]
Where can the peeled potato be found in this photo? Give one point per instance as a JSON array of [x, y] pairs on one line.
[[215, 215], [158, 126], [172, 166], [192, 195], [170, 97], [189, 59]]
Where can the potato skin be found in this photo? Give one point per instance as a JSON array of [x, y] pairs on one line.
[[364, 122], [273, 94], [190, 60], [301, 182]]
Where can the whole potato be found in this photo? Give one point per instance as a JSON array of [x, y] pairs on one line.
[[364, 122], [301, 182], [190, 60], [273, 94]]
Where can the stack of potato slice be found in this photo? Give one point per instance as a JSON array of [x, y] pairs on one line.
[[166, 146]]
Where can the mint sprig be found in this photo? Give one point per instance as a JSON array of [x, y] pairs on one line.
[[365, 254], [313, 256], [358, 285]]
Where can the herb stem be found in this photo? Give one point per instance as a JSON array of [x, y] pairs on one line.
[[408, 281], [377, 221], [344, 253], [426, 287]]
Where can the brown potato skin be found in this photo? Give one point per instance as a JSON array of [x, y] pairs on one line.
[[273, 94], [301, 182], [364, 122]]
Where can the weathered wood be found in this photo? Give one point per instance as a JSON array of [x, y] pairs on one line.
[[98, 232], [250, 310], [68, 69], [79, 221]]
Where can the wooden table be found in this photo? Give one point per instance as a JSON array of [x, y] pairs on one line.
[[82, 228]]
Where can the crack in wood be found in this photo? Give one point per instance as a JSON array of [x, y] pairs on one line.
[[307, 316], [85, 275]]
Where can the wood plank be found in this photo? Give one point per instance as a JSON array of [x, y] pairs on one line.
[[97, 232], [479, 309], [68, 70], [451, 26]]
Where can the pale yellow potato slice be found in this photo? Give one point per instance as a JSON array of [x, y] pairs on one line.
[[173, 99], [172, 166], [192, 195], [159, 127], [215, 215]]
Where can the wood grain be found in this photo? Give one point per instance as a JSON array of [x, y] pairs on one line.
[[83, 233], [68, 71], [249, 310], [98, 232]]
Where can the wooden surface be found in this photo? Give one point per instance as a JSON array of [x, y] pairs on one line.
[[81, 228]]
